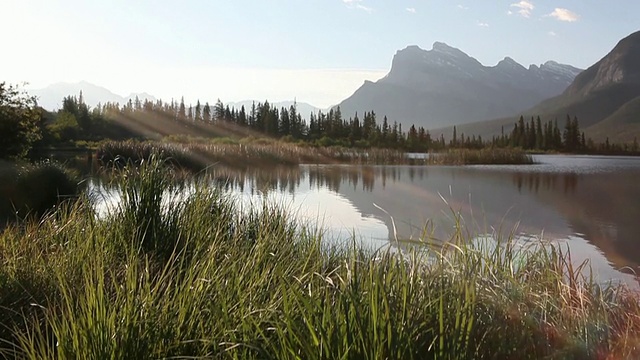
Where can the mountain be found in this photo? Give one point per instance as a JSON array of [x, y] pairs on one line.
[[51, 96], [304, 109], [444, 86], [605, 98]]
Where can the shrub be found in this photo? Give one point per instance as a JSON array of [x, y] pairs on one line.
[[42, 186]]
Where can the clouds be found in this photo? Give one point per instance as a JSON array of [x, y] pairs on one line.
[[482, 24], [411, 10], [566, 15], [357, 4], [524, 8]]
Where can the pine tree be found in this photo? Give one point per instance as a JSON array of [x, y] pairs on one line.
[[539, 134], [218, 111], [198, 114], [356, 132], [386, 134], [242, 117], [206, 113], [412, 138], [454, 140], [190, 113], [182, 112]]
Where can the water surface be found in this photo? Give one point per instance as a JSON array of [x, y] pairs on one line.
[[590, 204]]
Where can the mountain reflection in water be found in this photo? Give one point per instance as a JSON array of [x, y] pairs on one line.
[[591, 204]]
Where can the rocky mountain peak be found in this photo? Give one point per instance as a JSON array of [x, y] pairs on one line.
[[509, 63], [444, 85], [444, 49], [620, 66]]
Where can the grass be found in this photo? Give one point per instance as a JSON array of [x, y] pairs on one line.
[[495, 156], [202, 278], [119, 153], [198, 153]]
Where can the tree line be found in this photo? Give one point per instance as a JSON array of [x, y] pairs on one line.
[[75, 120], [327, 128]]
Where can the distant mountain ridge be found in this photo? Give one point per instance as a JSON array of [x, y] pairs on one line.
[[51, 96], [605, 98], [445, 86]]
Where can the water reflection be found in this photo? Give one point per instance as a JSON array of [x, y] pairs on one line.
[[549, 181], [591, 204]]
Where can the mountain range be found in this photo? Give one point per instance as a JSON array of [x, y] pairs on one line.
[[605, 98], [445, 86], [51, 97]]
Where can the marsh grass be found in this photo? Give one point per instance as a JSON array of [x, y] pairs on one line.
[[494, 156], [200, 279], [198, 153], [247, 152]]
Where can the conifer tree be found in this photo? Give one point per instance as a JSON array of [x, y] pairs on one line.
[[198, 112], [182, 112], [206, 113]]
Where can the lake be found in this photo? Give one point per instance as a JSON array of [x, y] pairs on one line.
[[590, 204]]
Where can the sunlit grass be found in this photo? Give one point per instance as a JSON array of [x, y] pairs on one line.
[[201, 278], [197, 155]]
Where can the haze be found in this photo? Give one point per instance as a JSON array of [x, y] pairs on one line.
[[318, 51]]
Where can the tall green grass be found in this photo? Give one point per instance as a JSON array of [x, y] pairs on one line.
[[171, 276]]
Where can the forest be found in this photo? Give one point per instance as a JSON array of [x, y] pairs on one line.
[[78, 124], [327, 128]]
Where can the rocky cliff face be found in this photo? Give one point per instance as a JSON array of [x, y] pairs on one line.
[[620, 66], [605, 98], [445, 86]]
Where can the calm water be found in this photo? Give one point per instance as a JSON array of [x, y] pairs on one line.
[[590, 204]]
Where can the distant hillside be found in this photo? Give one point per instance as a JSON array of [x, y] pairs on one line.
[[604, 98], [51, 96], [444, 86], [621, 126]]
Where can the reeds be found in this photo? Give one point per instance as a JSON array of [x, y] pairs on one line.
[[218, 282], [488, 156], [197, 155]]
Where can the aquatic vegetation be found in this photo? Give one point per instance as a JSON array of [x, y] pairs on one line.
[[197, 155], [496, 156]]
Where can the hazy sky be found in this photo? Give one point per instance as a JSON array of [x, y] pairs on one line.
[[318, 51]]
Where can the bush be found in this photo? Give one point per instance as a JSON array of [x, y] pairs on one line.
[[41, 187]]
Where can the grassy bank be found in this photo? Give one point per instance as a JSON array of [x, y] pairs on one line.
[[196, 155], [209, 280]]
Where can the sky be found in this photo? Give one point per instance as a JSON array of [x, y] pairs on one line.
[[316, 51]]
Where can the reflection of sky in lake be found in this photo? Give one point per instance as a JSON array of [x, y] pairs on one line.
[[591, 204], [319, 205]]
